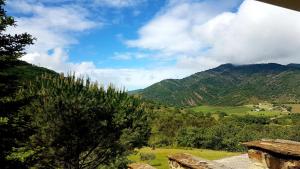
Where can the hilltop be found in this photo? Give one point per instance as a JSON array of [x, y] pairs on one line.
[[13, 74], [230, 84]]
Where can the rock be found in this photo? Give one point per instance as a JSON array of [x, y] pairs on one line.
[[274, 154], [187, 161], [140, 166]]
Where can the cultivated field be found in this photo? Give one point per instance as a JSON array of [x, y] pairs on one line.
[[295, 108], [238, 110]]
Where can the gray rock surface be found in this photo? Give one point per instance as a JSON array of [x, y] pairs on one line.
[[236, 162]]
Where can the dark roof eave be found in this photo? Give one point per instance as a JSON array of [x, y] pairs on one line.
[[290, 4]]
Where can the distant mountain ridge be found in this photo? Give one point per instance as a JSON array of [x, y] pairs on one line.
[[230, 84]]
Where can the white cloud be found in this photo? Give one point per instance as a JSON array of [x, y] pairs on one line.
[[118, 3], [258, 32], [141, 55], [171, 31], [53, 26], [195, 34], [130, 55], [123, 77]]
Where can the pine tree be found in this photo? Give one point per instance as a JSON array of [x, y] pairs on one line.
[[78, 124], [11, 46]]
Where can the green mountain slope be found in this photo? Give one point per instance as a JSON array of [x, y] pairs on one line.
[[230, 85], [13, 74]]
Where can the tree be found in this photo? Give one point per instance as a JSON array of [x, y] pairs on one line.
[[11, 46], [78, 124]]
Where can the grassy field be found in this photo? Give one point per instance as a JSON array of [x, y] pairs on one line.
[[161, 160], [227, 109], [238, 110]]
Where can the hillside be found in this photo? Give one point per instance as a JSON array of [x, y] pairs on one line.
[[12, 75], [230, 84]]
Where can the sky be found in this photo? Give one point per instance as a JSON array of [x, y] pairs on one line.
[[135, 43]]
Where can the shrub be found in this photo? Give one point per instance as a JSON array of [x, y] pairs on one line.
[[147, 156]]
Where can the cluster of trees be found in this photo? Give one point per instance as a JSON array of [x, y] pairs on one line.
[[55, 121], [185, 128]]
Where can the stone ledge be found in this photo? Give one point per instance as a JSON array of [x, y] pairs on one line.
[[283, 147], [140, 166], [274, 154]]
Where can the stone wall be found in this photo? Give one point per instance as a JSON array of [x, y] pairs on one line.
[[266, 160], [274, 154]]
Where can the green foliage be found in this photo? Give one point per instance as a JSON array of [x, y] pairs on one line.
[[167, 122], [185, 128], [228, 134], [14, 75], [20, 154], [11, 46], [147, 156], [229, 85], [77, 124]]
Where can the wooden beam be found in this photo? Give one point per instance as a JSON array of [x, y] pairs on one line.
[[290, 4]]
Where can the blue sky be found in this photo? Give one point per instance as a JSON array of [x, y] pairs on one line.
[[135, 43]]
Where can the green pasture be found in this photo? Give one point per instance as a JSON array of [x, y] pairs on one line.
[[237, 110], [161, 155]]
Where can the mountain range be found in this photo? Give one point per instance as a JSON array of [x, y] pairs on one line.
[[230, 84], [227, 84]]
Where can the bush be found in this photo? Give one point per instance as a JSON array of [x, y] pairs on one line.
[[147, 156]]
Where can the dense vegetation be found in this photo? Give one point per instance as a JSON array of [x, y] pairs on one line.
[[77, 124], [65, 122], [230, 85], [11, 48], [52, 121], [187, 128]]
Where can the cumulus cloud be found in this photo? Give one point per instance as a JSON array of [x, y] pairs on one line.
[[173, 30], [198, 35], [129, 78], [257, 32], [53, 26]]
